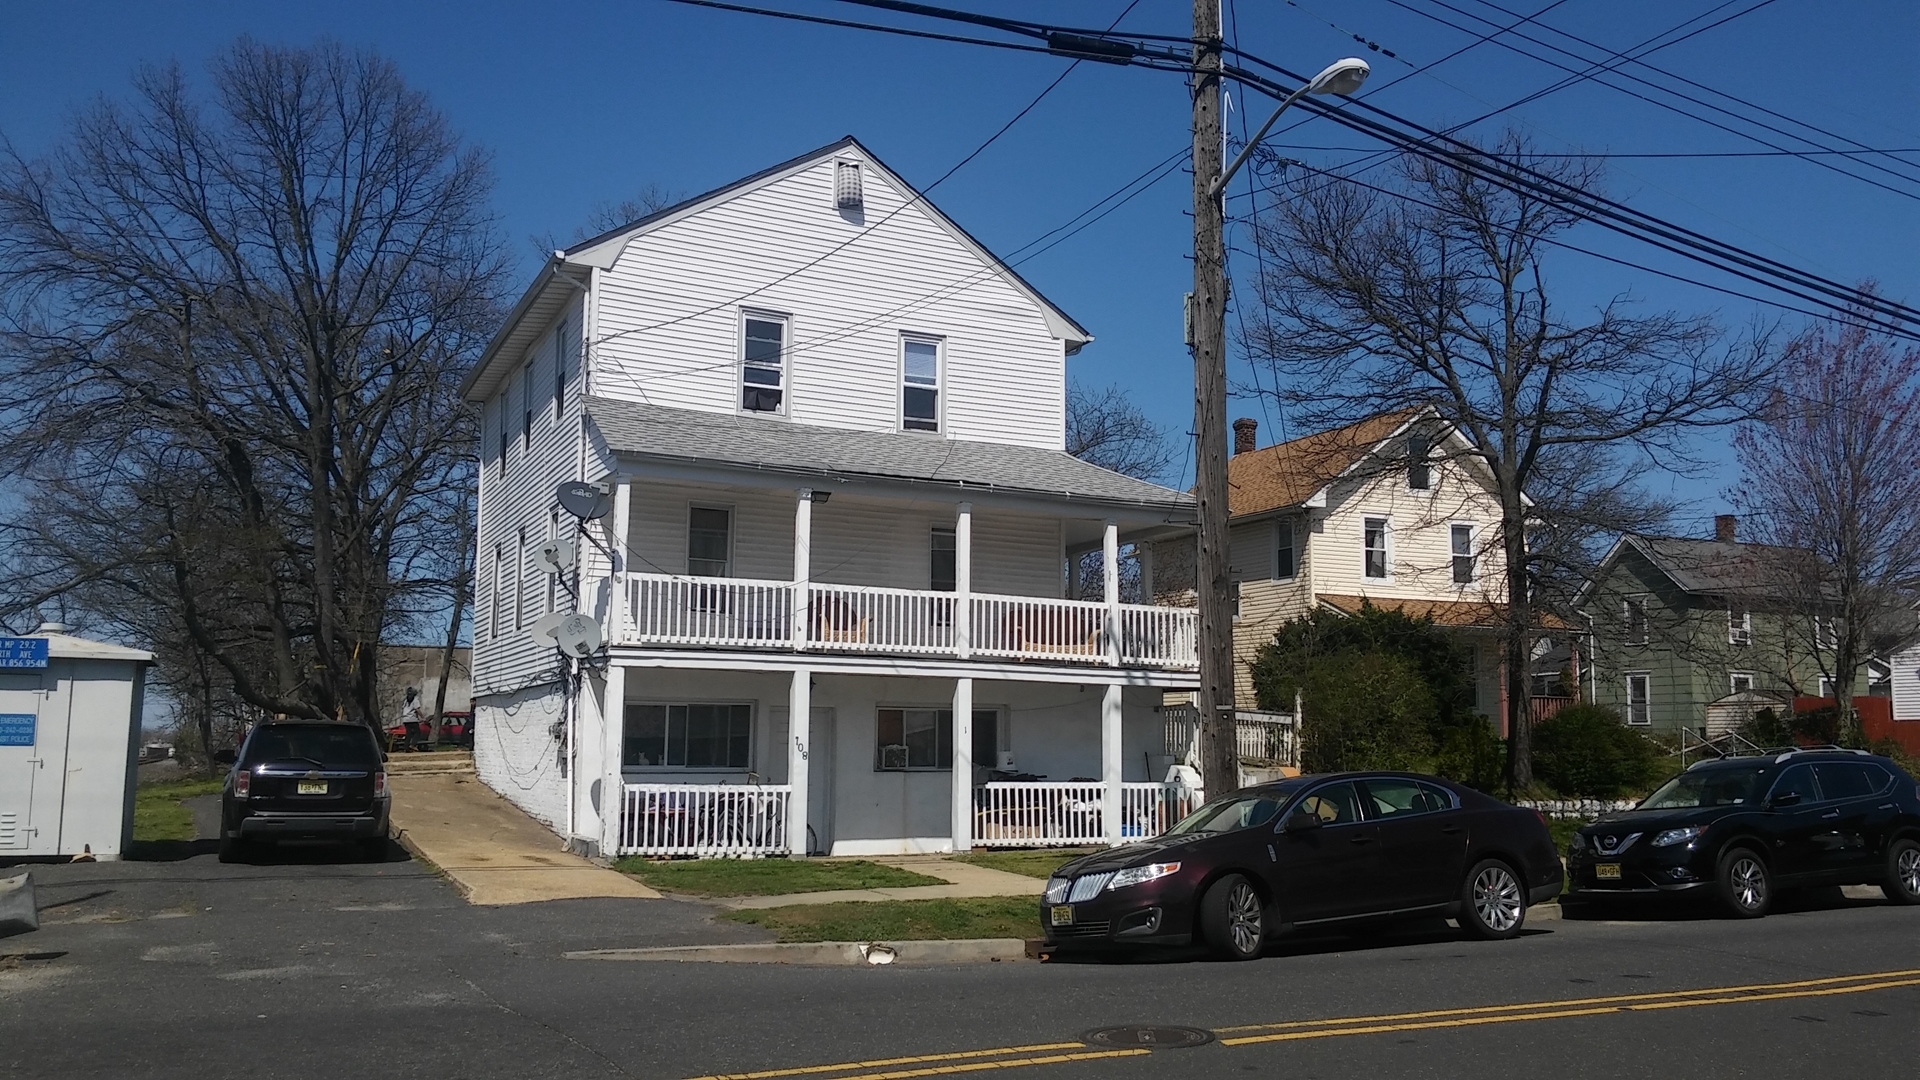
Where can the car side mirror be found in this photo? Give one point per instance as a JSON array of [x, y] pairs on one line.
[[1785, 798], [224, 757], [1301, 821]]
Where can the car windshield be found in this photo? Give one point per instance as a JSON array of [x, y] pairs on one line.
[[335, 744], [1708, 787], [1241, 810]]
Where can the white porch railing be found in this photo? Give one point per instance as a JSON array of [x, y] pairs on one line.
[[746, 613], [704, 819], [738, 612], [1055, 814], [863, 618], [1257, 736]]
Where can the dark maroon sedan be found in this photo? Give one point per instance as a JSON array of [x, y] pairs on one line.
[[1311, 851]]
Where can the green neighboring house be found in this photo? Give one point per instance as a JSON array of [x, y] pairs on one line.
[[1694, 633]]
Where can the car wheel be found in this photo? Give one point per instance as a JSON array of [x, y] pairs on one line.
[[1233, 918], [1903, 873], [1493, 903], [1746, 887]]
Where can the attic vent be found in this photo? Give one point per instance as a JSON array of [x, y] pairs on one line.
[[846, 185]]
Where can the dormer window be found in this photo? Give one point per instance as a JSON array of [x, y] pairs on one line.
[[846, 186], [1419, 471], [920, 384], [763, 374]]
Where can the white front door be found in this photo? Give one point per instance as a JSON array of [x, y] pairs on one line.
[[23, 765]]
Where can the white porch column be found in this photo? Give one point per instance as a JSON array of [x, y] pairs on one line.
[[1110, 712], [613, 798], [963, 585], [1110, 565], [963, 764], [799, 742], [802, 566], [617, 613]]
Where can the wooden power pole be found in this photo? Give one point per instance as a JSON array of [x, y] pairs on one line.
[[1219, 755]]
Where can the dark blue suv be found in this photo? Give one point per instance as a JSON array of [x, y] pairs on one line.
[[1741, 829]]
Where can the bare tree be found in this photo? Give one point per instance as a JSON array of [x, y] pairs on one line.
[[607, 216], [234, 330], [1433, 291], [1830, 476]]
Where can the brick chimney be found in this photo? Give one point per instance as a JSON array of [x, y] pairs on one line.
[[1246, 435], [1723, 527]]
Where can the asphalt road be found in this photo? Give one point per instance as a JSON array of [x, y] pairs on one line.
[[317, 968]]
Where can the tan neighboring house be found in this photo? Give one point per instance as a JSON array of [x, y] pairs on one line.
[[1390, 510]]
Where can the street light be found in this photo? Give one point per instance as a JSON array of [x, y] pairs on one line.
[[1341, 77]]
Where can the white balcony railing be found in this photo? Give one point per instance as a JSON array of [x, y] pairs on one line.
[[704, 819], [745, 613], [1053, 814]]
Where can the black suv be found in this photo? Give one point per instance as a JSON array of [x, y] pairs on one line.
[[305, 780], [1741, 829]]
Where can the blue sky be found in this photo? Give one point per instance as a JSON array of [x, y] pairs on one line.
[[584, 102]]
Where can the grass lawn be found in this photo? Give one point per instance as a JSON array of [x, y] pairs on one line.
[[910, 920], [767, 877], [1036, 863], [157, 813]]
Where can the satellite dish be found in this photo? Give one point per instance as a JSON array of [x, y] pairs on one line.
[[544, 628], [555, 556], [588, 502], [578, 636]]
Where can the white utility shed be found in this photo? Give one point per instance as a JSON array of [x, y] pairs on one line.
[[69, 741]]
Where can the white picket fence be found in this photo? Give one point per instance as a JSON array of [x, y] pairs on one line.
[[1258, 736], [1159, 636], [863, 618], [1578, 808], [1027, 627], [722, 820], [1061, 814], [738, 612]]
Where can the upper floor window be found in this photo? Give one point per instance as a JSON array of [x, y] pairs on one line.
[[1739, 626], [763, 369], [1826, 632], [520, 582], [502, 430], [1286, 560], [1633, 613], [1739, 682], [1374, 533], [945, 576], [709, 541], [562, 360], [1460, 538], [526, 405], [499, 591], [1419, 464], [920, 384]]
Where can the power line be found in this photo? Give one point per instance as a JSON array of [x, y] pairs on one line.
[[1606, 155]]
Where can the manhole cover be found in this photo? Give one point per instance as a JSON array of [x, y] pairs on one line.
[[1156, 1038]]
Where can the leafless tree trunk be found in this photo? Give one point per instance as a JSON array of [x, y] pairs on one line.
[[1830, 476], [1431, 290], [233, 334]]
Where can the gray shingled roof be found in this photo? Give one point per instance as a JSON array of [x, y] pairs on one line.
[[656, 431], [1717, 568]]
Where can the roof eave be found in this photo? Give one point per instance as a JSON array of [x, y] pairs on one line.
[[481, 371]]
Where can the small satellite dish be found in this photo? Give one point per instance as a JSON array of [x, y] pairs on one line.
[[578, 636], [544, 628], [588, 502], [555, 556]]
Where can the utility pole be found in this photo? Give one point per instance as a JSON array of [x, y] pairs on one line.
[[1219, 753]]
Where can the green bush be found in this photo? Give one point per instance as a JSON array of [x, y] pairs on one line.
[[1585, 751], [1367, 710], [1471, 753], [1820, 727]]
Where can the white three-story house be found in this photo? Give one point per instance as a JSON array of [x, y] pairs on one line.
[[832, 579]]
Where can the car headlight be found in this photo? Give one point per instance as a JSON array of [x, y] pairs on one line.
[[1057, 889], [1135, 875], [1678, 836]]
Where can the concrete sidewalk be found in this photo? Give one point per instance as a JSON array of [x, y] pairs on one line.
[[963, 880], [493, 853]]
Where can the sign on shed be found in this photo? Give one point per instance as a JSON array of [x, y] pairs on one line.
[[23, 652], [16, 729]]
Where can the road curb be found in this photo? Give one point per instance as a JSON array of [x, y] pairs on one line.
[[1544, 913], [847, 953]]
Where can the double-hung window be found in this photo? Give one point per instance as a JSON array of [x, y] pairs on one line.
[[920, 384], [562, 360], [710, 541], [498, 623], [1374, 539], [695, 735], [1286, 559], [763, 363], [1639, 698], [1826, 632], [526, 405], [1739, 682], [1739, 626], [502, 430], [1419, 463], [944, 560], [1460, 537], [1633, 613], [520, 582]]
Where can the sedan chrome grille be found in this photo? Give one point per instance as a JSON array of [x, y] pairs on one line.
[[1088, 887], [1057, 890]]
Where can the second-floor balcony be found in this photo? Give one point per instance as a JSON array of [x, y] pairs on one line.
[[744, 613]]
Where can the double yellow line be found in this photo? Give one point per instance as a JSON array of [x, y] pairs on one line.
[[1060, 1053]]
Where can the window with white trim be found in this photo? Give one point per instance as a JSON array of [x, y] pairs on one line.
[[1826, 686], [763, 362], [1639, 698], [526, 405], [709, 541], [1633, 615], [520, 583], [1286, 557], [943, 559], [1739, 682], [1374, 541], [690, 735], [1826, 632], [919, 383], [1460, 540], [1419, 463], [916, 740], [1739, 626], [553, 580], [495, 622], [502, 429], [562, 360]]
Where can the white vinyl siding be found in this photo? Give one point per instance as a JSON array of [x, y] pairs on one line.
[[1003, 372]]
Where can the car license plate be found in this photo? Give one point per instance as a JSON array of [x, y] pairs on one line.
[[1607, 871], [1062, 914], [313, 787]]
